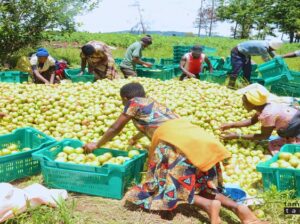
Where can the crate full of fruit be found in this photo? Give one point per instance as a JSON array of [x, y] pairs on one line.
[[105, 172], [16, 150], [283, 170]]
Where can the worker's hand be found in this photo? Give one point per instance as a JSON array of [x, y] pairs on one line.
[[2, 115], [147, 65], [90, 147], [230, 136], [47, 82], [191, 75], [80, 73], [225, 127]]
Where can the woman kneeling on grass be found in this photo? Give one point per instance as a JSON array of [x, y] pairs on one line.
[[183, 159]]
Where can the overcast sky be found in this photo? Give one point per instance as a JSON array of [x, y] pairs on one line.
[[163, 15]]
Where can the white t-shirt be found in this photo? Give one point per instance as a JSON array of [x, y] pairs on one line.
[[297, 53], [48, 63]]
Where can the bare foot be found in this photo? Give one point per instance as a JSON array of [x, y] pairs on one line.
[[247, 216], [211, 207]]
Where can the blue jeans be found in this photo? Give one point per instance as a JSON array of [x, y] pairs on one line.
[[240, 62]]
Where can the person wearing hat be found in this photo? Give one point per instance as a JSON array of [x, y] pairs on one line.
[[43, 67], [292, 54], [97, 55], [133, 56], [283, 118], [241, 56], [191, 63]]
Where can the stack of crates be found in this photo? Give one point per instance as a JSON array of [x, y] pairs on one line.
[[216, 62], [276, 75], [274, 71], [179, 51], [287, 87]]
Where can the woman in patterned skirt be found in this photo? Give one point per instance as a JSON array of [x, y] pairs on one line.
[[183, 159]]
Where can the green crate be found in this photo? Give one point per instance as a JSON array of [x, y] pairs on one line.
[[217, 77], [19, 165], [286, 89], [118, 60], [216, 62], [209, 50], [282, 178], [179, 51], [13, 76], [273, 68], [296, 77], [187, 48], [156, 72], [149, 60], [166, 61], [227, 66], [73, 74], [258, 80], [177, 70], [109, 180], [203, 76], [269, 82]]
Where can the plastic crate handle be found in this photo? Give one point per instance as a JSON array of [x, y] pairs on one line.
[[40, 135]]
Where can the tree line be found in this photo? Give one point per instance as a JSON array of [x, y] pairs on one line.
[[22, 22], [251, 18]]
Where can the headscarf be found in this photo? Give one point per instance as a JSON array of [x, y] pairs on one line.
[[42, 52], [257, 96]]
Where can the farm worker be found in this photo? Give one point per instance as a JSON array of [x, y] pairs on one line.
[[100, 61], [292, 54], [133, 56], [281, 117], [297, 37], [183, 168], [43, 67], [241, 56], [191, 63]]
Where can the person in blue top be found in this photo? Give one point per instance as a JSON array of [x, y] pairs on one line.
[[241, 56]]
